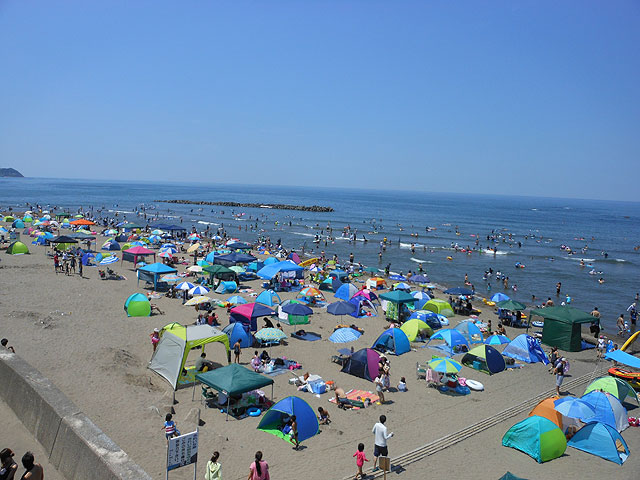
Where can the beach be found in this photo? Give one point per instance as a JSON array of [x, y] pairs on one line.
[[75, 331]]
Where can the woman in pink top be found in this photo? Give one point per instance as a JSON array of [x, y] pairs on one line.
[[259, 469], [361, 457]]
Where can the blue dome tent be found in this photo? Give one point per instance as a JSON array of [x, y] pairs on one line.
[[454, 341], [361, 303], [470, 331], [236, 331], [392, 340], [278, 415], [269, 298], [526, 349], [601, 440]]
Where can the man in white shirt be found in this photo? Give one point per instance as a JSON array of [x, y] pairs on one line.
[[381, 437]]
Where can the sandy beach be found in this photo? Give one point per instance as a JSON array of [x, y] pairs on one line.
[[74, 330]]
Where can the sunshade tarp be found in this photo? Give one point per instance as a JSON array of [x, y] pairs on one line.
[[624, 358], [538, 437], [233, 379], [526, 349], [175, 343], [393, 340], [601, 440], [563, 326], [271, 270], [305, 418], [363, 364], [493, 361], [233, 259]]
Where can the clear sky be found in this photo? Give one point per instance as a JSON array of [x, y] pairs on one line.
[[514, 97]]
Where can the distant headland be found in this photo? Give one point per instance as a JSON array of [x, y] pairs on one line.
[[277, 206], [10, 172]]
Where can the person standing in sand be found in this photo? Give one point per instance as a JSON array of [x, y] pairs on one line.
[[213, 468], [380, 436], [236, 351], [259, 469]]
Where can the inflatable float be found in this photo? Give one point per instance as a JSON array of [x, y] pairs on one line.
[[629, 341], [632, 377], [449, 258], [474, 385]]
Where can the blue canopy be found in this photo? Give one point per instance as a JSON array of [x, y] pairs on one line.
[[233, 259], [236, 331], [273, 419], [624, 358], [168, 227], [452, 338], [152, 272], [601, 440], [271, 270], [393, 340], [526, 349], [458, 291], [339, 274]]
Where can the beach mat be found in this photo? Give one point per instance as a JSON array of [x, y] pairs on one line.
[[362, 394], [276, 372], [309, 336]]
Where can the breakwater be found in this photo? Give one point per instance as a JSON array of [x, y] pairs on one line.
[[275, 206]]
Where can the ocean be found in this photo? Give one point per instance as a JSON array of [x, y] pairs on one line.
[[434, 222]]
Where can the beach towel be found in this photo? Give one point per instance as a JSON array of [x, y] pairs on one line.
[[308, 336], [358, 396]]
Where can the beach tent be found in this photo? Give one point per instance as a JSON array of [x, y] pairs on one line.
[[269, 298], [274, 418], [110, 245], [270, 261], [132, 254], [526, 349], [484, 358], [248, 314], [432, 319], [17, 248], [439, 306], [617, 387], [547, 409], [510, 476], [375, 283], [393, 340], [17, 223], [137, 305], [454, 341], [294, 257], [601, 440], [413, 327], [227, 287], [220, 272], [538, 437], [286, 269], [470, 331], [361, 304], [499, 297], [236, 331], [152, 273], [363, 364], [233, 380], [176, 341], [233, 258], [366, 293], [563, 326], [339, 275], [346, 291], [608, 409]]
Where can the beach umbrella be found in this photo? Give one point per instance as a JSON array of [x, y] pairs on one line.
[[445, 365], [165, 254], [185, 286], [193, 236], [270, 335], [573, 407], [499, 297], [617, 387], [193, 248], [341, 308], [297, 309], [197, 300], [345, 335], [497, 340], [157, 232], [398, 278], [109, 260], [168, 245], [310, 292], [199, 290], [169, 248], [236, 300], [511, 305], [458, 291], [170, 278], [154, 238], [194, 269], [419, 279], [402, 286]]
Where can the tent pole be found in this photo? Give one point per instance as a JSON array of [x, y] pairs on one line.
[[272, 392], [228, 401]]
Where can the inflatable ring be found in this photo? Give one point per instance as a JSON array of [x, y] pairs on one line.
[[537, 323], [474, 385], [253, 411]]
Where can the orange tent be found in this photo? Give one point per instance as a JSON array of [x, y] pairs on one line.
[[546, 409], [81, 221]]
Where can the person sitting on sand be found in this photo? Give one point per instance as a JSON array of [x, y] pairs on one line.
[[323, 416], [402, 385], [155, 309], [256, 362], [501, 330], [202, 362]]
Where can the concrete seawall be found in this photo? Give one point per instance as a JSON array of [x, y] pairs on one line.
[[75, 445]]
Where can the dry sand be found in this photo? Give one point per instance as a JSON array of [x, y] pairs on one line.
[[74, 330]]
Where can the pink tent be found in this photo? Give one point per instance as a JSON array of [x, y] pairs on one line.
[[133, 253]]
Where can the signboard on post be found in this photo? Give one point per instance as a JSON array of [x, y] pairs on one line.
[[182, 451]]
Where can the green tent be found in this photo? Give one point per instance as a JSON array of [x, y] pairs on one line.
[[511, 305], [234, 379], [17, 248], [137, 305], [219, 271], [563, 326], [439, 306], [538, 437]]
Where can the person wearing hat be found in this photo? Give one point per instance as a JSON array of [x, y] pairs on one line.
[[559, 371], [601, 346], [155, 338]]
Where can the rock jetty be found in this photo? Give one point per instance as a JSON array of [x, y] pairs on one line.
[[275, 206]]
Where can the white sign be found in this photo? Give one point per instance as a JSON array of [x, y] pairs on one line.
[[182, 450]]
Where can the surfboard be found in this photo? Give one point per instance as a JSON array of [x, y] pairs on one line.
[[308, 262]]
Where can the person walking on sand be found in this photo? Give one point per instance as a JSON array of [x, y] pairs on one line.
[[559, 371], [34, 471], [380, 441], [213, 471], [294, 432], [259, 469], [379, 387], [236, 351], [361, 457]]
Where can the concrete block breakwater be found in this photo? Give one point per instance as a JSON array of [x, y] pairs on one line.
[[275, 206]]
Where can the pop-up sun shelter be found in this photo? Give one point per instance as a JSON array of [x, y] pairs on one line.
[[470, 331], [17, 248], [526, 349], [454, 341], [601, 440], [439, 306], [363, 364], [393, 340], [608, 409], [152, 273], [484, 358], [362, 304], [134, 253], [176, 341], [137, 305], [269, 298], [538, 437], [234, 379], [563, 326], [275, 418], [236, 331]]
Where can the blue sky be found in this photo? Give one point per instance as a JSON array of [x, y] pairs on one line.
[[529, 97]]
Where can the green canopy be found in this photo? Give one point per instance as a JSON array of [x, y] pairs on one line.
[[219, 271], [511, 305], [562, 326], [233, 379], [398, 296]]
